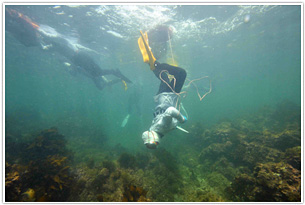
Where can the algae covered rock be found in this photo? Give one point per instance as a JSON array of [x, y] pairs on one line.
[[270, 182], [215, 151], [47, 142], [293, 157], [289, 138], [248, 154], [45, 174], [280, 180]]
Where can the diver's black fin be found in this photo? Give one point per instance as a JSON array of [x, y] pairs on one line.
[[118, 74]]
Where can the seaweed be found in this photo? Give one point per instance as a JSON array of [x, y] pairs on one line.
[[13, 183], [288, 138], [133, 193], [127, 160], [110, 165], [270, 182], [250, 158], [293, 157], [46, 174], [249, 150]]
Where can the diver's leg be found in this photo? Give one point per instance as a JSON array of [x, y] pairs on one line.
[[178, 73], [162, 75], [116, 73], [107, 72], [99, 83], [112, 82]]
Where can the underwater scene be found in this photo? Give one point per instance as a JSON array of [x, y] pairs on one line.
[[152, 103]]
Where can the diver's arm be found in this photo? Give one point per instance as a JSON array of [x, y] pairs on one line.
[[173, 112]]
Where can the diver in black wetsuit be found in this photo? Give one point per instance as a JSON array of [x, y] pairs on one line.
[[30, 33]]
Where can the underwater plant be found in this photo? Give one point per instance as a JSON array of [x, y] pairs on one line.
[[110, 165], [236, 150], [288, 138], [270, 182], [13, 184], [134, 194], [293, 157], [127, 160], [46, 174], [234, 160]]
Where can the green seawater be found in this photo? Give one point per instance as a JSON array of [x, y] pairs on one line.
[[254, 64]]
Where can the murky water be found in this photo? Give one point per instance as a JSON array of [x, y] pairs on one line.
[[251, 53]]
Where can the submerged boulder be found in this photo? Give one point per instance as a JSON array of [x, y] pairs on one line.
[[270, 182]]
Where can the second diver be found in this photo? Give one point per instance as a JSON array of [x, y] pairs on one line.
[[30, 34]]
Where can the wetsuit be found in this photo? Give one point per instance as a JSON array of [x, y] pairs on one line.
[[32, 34]]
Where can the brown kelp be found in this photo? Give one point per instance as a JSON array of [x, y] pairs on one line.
[[45, 171]]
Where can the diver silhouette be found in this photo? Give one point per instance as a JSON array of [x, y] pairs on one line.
[[30, 34]]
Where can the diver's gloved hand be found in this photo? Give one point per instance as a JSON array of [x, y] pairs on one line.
[[185, 119]]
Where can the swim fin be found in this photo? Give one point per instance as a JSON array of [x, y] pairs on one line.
[[124, 122], [124, 85], [118, 74], [148, 56]]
